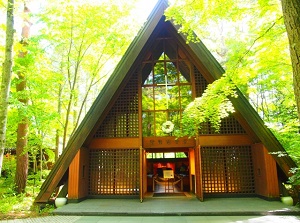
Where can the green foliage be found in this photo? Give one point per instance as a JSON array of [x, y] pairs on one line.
[[40, 111], [249, 39], [9, 166], [82, 50], [65, 66], [10, 202], [290, 138], [213, 106], [191, 15], [78, 47]]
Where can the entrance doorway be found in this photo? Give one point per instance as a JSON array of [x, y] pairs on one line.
[[168, 172]]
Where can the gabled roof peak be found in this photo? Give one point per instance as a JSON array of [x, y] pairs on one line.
[[202, 58]]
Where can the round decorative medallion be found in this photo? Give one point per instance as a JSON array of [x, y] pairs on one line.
[[167, 127]]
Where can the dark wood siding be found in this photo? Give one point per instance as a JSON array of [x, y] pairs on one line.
[[265, 170], [227, 170], [114, 172]]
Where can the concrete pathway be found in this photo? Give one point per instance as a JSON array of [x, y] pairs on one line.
[[173, 210], [177, 206], [160, 219]]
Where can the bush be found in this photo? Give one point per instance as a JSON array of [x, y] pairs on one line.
[[13, 205]]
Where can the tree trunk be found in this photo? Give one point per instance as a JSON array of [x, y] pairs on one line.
[[58, 132], [22, 133], [6, 77], [291, 14], [21, 157]]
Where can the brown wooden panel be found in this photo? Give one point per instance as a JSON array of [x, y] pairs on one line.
[[265, 172], [114, 172], [143, 173], [224, 140], [73, 177], [198, 174], [192, 161], [168, 142], [116, 143], [227, 170], [78, 175], [122, 120], [83, 173]]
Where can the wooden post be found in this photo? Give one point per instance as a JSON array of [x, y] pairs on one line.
[[198, 173], [141, 174], [265, 172]]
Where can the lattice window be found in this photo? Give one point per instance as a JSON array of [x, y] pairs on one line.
[[200, 83], [166, 88], [227, 170], [229, 126], [122, 120], [114, 172]]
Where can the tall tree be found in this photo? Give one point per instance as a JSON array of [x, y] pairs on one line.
[[23, 126], [83, 49], [291, 14], [261, 25], [6, 77]]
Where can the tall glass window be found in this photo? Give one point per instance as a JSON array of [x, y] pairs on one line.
[[166, 91]]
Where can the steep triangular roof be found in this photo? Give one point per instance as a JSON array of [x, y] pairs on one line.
[[210, 69]]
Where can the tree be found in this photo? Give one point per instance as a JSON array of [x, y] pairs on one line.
[[291, 14], [23, 125], [84, 48], [6, 77], [254, 55], [256, 59], [45, 71]]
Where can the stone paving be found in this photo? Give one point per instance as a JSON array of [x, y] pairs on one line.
[[160, 219], [173, 210], [178, 206]]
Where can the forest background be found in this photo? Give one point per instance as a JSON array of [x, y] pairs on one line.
[[62, 57]]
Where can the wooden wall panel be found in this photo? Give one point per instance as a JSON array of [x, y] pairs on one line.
[[225, 140], [115, 143], [114, 172], [227, 170], [168, 142], [265, 172], [198, 174], [192, 167], [84, 173], [171, 142], [74, 177], [79, 175], [192, 161], [143, 172]]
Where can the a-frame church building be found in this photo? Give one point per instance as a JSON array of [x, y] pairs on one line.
[[124, 146]]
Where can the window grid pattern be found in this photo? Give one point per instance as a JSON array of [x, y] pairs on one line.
[[166, 90], [200, 82], [229, 125], [227, 170], [114, 172], [122, 120]]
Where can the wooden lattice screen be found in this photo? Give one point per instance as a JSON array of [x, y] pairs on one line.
[[200, 82], [114, 172], [229, 125], [122, 120], [227, 170]]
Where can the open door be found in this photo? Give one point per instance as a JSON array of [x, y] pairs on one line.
[[198, 173]]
